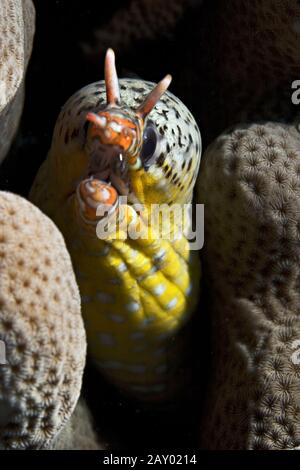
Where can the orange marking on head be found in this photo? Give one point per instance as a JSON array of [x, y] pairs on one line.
[[113, 129]]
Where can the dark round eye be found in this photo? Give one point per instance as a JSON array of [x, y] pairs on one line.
[[150, 141]]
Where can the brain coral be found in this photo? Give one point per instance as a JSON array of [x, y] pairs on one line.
[[40, 325], [17, 23], [250, 185]]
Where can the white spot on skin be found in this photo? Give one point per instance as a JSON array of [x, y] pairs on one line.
[[161, 184], [160, 255], [105, 298], [172, 303], [106, 339], [116, 127], [102, 120], [159, 289], [107, 133], [133, 254], [122, 267], [105, 194], [132, 307]]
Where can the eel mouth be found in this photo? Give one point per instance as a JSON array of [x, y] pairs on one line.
[[110, 166]]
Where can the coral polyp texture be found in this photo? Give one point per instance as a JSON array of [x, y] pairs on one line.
[[17, 25], [250, 185], [40, 326]]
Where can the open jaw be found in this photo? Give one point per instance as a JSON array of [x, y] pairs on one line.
[[108, 164]]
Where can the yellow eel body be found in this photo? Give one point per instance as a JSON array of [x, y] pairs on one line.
[[137, 292]]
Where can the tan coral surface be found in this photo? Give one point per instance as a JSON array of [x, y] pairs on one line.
[[17, 24], [40, 325], [250, 185]]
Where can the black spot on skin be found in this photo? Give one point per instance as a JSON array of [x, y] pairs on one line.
[[190, 143], [123, 87], [168, 174], [160, 160], [165, 168], [168, 147], [190, 164], [83, 109], [138, 90], [75, 133], [177, 114], [197, 148], [79, 101], [85, 129], [174, 177], [179, 137], [183, 164], [161, 131]]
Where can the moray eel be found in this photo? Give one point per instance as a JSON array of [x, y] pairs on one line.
[[127, 139]]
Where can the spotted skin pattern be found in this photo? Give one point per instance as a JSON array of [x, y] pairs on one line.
[[137, 295]]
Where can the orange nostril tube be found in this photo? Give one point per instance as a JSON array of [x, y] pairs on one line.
[[93, 194]]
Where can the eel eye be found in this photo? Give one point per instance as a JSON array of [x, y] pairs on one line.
[[150, 144]]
